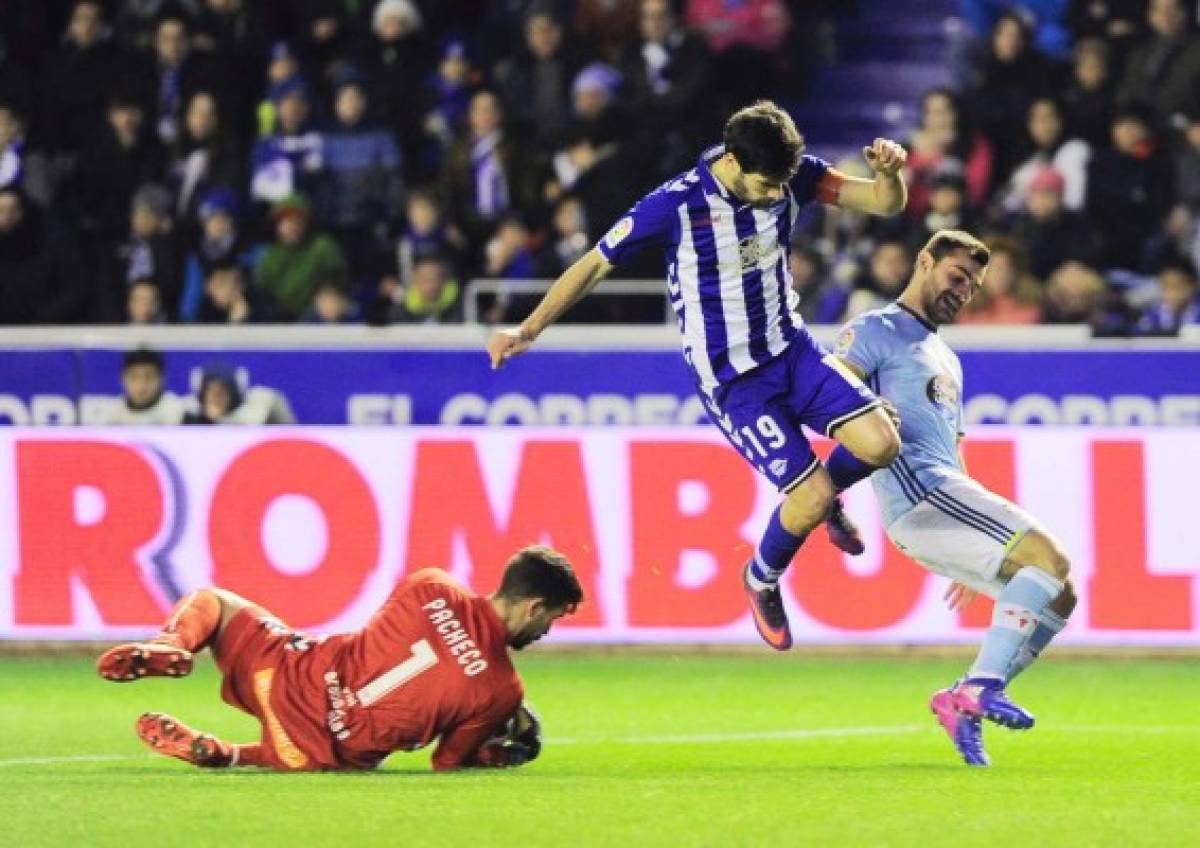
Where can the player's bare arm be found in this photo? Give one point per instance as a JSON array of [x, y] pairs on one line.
[[890, 408], [485, 743], [854, 368], [886, 194], [574, 285]]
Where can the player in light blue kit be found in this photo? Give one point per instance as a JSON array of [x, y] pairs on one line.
[[724, 228], [938, 515]]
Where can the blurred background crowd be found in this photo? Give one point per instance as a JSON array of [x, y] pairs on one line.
[[230, 161]]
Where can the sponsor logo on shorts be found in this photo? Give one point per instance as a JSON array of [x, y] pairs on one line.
[[340, 700], [845, 342], [618, 233]]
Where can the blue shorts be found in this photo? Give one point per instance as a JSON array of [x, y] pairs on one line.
[[761, 411]]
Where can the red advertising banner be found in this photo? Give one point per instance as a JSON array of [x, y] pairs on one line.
[[103, 529]]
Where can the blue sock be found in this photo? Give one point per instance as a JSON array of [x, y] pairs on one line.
[[846, 469], [774, 553], [1018, 609], [1049, 625]]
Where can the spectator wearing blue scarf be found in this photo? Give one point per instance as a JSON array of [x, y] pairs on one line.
[[290, 160]]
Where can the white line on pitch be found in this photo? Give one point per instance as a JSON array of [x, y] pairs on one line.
[[693, 739]]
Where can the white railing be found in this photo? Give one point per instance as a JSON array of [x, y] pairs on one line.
[[561, 337], [608, 288]]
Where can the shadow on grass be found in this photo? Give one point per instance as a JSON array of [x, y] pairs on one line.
[[553, 772], [184, 772]]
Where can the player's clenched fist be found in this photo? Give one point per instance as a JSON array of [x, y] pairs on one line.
[[505, 344], [885, 156]]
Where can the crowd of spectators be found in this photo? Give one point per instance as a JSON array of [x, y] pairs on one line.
[[334, 161], [1071, 144], [345, 160]]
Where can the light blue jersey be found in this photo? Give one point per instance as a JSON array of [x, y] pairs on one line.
[[907, 362]]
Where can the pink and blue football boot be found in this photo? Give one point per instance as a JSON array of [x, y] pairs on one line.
[[985, 697], [961, 709], [965, 731]]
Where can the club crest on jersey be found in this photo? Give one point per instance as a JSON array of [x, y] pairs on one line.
[[620, 230], [942, 390], [844, 343], [752, 250]]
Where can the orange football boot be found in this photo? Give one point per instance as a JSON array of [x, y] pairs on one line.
[[172, 738], [136, 660]]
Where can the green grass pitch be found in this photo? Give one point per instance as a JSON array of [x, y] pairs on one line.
[[643, 749]]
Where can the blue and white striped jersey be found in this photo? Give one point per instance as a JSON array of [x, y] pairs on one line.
[[727, 263], [907, 362]]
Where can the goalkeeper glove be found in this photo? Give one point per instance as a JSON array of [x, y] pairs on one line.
[[522, 740]]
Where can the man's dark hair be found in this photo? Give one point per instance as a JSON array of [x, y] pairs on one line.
[[434, 257], [543, 9], [540, 572], [15, 110], [333, 283], [173, 11], [764, 140], [143, 356], [225, 264], [123, 98], [945, 242], [895, 241], [1181, 265]]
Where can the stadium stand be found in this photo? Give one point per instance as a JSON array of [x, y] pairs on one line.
[[126, 127]]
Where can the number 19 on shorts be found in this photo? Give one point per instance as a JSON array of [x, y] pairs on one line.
[[768, 430]]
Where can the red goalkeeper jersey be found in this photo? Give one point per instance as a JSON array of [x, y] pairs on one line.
[[432, 662]]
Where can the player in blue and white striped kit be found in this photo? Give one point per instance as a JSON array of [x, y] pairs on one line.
[[938, 515], [724, 228]]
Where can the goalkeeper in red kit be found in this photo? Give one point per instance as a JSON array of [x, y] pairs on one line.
[[432, 663]]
